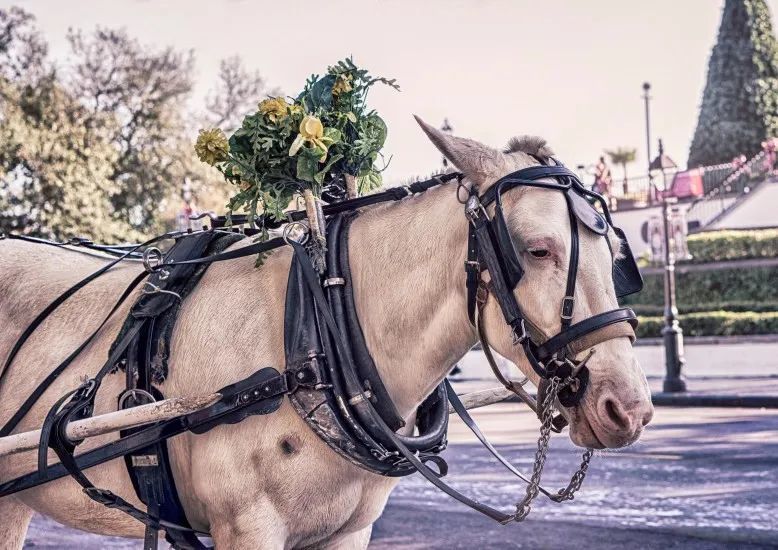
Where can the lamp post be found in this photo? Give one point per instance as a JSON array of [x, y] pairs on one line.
[[646, 98], [672, 334]]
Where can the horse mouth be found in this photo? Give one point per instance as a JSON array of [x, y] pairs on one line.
[[583, 434]]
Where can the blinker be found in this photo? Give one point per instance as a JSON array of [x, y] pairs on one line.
[[626, 275]]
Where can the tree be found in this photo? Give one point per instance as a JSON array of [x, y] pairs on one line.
[[53, 172], [101, 147], [143, 90], [623, 156], [740, 103], [236, 94]]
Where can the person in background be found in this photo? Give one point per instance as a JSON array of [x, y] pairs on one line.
[[603, 180]]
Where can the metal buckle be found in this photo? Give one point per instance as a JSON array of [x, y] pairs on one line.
[[520, 338], [568, 302], [332, 281], [287, 233], [473, 208]]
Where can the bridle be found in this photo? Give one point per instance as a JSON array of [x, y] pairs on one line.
[[491, 249]]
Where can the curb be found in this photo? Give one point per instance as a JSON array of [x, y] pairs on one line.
[[663, 399]]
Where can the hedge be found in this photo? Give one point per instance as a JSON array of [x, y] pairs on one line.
[[653, 310], [717, 246], [703, 289], [714, 323]]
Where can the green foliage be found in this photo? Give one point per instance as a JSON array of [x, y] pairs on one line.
[[715, 246], [308, 142], [651, 310], [714, 323], [696, 288], [740, 102], [100, 146], [622, 155], [719, 302]]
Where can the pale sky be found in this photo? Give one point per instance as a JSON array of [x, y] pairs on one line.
[[570, 71]]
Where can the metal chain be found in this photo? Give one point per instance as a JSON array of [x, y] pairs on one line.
[[547, 416], [568, 493]]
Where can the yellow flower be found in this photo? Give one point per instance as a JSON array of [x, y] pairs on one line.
[[212, 146], [342, 84], [274, 108], [311, 131], [296, 109]]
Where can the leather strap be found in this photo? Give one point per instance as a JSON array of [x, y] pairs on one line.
[[592, 328]]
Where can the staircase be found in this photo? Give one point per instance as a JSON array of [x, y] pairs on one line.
[[720, 199]]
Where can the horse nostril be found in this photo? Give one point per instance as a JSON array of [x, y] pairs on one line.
[[616, 414], [648, 416]]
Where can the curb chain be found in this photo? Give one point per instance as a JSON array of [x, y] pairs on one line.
[[547, 407]]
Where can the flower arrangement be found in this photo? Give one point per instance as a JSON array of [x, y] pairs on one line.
[[324, 140]]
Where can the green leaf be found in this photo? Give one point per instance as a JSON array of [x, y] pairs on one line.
[[369, 181], [319, 97], [321, 174], [377, 130], [333, 134], [307, 165]]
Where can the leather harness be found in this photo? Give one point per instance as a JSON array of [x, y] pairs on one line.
[[330, 378]]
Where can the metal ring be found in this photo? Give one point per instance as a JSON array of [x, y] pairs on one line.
[[134, 393], [152, 255], [460, 187], [286, 235]]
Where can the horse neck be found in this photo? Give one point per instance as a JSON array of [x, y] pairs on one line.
[[409, 284]]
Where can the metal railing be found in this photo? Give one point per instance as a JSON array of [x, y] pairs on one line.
[[722, 197], [641, 191]]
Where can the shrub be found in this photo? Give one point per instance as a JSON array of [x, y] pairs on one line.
[[653, 310], [716, 246], [703, 289], [714, 323]]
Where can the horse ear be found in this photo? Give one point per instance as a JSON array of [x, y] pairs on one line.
[[478, 161]]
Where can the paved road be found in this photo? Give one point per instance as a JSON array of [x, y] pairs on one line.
[[699, 478], [747, 360]]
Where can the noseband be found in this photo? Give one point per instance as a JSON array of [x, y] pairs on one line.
[[491, 249]]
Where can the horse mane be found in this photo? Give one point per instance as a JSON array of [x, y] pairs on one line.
[[531, 145]]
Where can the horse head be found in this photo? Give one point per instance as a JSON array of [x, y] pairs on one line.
[[617, 403]]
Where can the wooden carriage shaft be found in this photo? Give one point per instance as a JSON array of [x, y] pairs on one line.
[[114, 421], [171, 408]]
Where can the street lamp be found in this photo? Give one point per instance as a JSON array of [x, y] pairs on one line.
[[646, 98], [672, 334]]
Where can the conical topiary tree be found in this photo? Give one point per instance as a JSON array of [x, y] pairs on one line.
[[740, 102]]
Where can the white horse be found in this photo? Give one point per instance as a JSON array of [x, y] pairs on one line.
[[269, 481]]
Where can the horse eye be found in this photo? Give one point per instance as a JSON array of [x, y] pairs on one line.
[[539, 253]]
